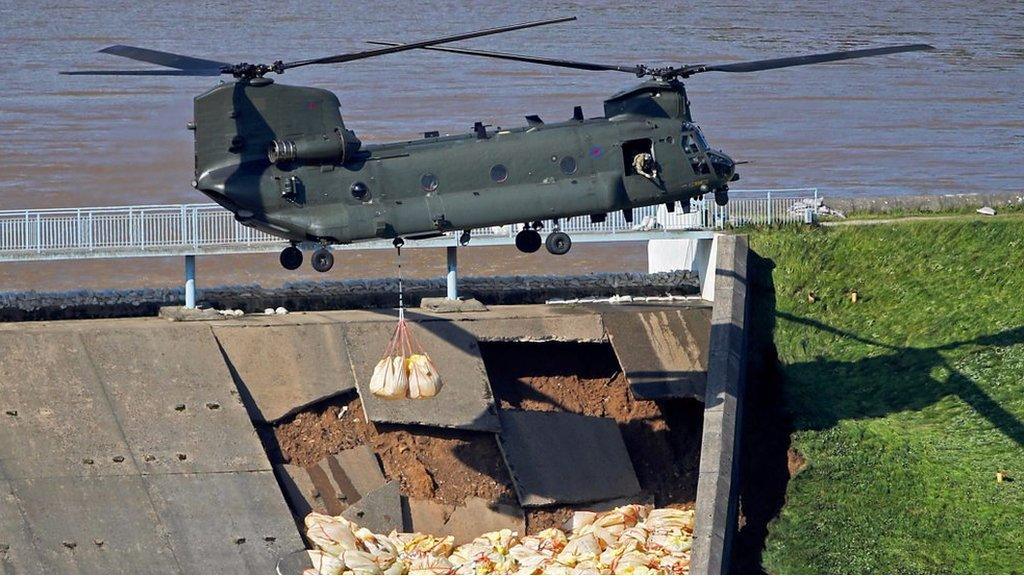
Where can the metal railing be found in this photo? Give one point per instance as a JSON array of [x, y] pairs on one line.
[[162, 230]]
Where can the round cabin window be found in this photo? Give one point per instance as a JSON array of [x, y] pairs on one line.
[[568, 165], [429, 182], [360, 191], [499, 173]]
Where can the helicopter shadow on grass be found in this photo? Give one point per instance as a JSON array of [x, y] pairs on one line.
[[902, 379]]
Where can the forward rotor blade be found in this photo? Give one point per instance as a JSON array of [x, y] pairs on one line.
[[163, 58], [208, 72], [522, 58], [422, 44], [758, 65]]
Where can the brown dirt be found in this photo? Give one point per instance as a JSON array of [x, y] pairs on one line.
[[663, 438], [795, 462], [442, 465]]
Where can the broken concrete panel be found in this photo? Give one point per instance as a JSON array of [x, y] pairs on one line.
[[663, 352], [563, 458], [234, 522], [286, 368], [464, 400], [424, 516], [302, 495], [174, 399], [333, 484], [379, 510], [477, 516], [55, 418], [357, 468], [93, 525]]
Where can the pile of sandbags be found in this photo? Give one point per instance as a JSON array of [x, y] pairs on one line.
[[630, 539], [405, 370]]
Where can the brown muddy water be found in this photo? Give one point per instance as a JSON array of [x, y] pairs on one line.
[[924, 123]]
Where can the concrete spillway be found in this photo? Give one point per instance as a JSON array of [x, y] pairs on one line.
[[130, 445]]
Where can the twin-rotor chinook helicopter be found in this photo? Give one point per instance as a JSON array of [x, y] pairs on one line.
[[280, 158]]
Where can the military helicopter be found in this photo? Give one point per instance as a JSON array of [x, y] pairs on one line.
[[281, 159]]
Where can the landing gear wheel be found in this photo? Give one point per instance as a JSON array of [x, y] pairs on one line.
[[528, 241], [558, 243], [322, 260], [291, 258], [722, 197], [464, 238]]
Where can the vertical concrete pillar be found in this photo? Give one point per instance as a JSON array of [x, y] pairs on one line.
[[453, 273], [190, 281]]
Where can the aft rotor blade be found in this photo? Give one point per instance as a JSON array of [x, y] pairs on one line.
[[167, 59], [422, 44], [523, 58], [210, 72], [758, 65]]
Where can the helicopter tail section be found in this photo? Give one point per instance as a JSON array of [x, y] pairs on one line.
[[253, 136]]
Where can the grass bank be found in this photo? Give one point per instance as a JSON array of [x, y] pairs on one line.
[[873, 442]]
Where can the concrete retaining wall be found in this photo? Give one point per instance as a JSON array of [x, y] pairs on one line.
[[716, 482], [339, 295]]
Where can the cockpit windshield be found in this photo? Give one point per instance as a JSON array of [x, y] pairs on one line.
[[693, 139], [700, 137]]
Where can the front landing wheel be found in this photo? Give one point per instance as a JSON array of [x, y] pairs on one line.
[[322, 260], [558, 243]]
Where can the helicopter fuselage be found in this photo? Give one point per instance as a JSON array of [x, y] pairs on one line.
[[320, 183]]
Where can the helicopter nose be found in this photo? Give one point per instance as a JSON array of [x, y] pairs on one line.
[[723, 165]]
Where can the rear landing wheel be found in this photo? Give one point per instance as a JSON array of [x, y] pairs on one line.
[[558, 243], [722, 197], [528, 241], [322, 260], [291, 258]]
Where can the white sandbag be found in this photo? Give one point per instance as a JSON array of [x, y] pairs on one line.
[[324, 563], [424, 382], [389, 378]]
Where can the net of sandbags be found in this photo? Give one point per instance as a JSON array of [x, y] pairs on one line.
[[630, 539], [405, 370]]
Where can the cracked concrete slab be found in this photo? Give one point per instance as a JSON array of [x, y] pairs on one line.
[[379, 510], [333, 484], [473, 518], [464, 401], [286, 368], [563, 458], [663, 352]]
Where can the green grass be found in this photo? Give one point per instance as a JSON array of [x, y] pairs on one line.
[[895, 212], [904, 404]]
